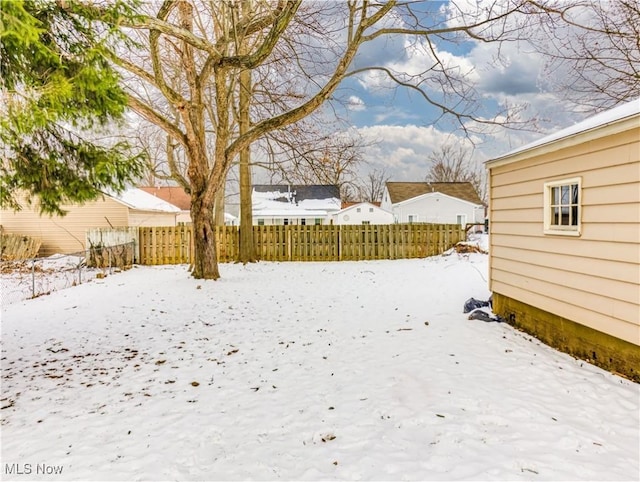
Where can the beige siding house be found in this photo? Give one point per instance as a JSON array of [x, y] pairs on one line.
[[67, 234], [173, 195], [565, 238]]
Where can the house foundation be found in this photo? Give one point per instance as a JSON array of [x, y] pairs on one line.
[[598, 348]]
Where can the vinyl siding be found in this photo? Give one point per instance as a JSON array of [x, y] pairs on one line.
[[437, 208], [592, 279], [65, 234], [378, 216]]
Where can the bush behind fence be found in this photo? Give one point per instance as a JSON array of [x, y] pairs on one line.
[[174, 244]]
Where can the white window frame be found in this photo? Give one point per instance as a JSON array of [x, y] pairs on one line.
[[562, 230], [412, 218], [463, 218]]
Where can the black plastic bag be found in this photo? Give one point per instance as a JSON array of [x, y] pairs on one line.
[[473, 304]]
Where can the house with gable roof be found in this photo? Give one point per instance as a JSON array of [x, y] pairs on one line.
[[294, 204], [433, 202], [564, 262], [67, 234], [362, 213], [177, 196]]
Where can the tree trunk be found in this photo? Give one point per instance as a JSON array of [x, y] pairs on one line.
[[247, 252], [219, 206], [205, 261]]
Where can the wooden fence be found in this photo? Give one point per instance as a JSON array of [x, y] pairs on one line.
[[17, 246], [103, 237], [174, 244]]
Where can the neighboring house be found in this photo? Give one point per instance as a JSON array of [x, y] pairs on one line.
[[565, 238], [433, 202], [67, 234], [179, 198], [173, 195], [294, 205], [362, 213]]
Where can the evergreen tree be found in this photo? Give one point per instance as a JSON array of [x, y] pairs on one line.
[[56, 89]]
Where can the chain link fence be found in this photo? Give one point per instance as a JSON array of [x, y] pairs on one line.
[[25, 279]]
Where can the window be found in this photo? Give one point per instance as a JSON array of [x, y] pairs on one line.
[[366, 222], [370, 210], [260, 222], [317, 221], [461, 219], [286, 222], [412, 218], [303, 222], [357, 210], [562, 207]]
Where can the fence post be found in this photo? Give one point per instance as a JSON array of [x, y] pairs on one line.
[[33, 278]]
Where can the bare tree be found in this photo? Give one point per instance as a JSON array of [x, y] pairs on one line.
[[307, 154], [594, 58], [160, 150], [318, 42], [371, 188], [454, 163]]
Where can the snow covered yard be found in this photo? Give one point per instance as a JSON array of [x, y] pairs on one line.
[[300, 371]]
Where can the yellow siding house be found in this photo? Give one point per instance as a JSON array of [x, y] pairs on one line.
[[565, 239], [67, 234]]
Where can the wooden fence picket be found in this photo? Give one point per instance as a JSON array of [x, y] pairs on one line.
[[174, 244], [17, 246]]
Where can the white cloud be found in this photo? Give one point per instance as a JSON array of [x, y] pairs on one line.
[[355, 103], [402, 150]]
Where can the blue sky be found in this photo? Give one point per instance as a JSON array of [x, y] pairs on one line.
[[403, 126]]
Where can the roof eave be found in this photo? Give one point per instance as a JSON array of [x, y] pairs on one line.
[[597, 132], [433, 193]]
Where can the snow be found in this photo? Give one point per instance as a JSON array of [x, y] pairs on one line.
[[301, 371], [138, 199], [21, 280], [607, 117]]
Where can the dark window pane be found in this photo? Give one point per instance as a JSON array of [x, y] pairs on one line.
[[574, 215], [574, 194], [555, 195], [555, 216], [565, 195], [565, 216]]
